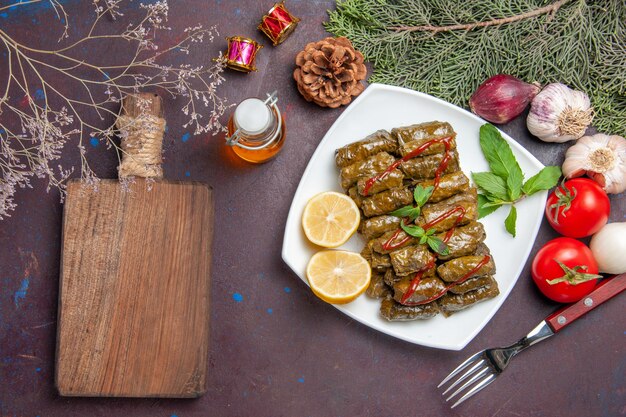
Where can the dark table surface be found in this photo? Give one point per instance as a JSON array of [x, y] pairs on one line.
[[278, 350]]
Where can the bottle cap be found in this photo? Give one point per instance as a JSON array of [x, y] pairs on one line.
[[252, 116]]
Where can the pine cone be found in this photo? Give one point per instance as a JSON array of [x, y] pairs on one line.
[[329, 72]]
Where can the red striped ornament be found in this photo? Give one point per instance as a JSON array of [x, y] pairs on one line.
[[278, 23], [241, 53]]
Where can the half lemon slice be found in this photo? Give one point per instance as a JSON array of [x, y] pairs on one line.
[[338, 277], [330, 218]]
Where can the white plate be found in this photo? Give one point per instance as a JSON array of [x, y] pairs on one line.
[[384, 107]]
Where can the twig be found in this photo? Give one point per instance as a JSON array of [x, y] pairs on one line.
[[21, 3], [38, 130], [21, 355], [549, 9]]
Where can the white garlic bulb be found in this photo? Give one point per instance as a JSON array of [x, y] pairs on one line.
[[602, 158], [559, 114]]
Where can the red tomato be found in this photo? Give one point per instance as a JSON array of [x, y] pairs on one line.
[[581, 208], [577, 258]]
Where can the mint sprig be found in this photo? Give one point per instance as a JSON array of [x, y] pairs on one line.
[[426, 237], [504, 184], [421, 196]]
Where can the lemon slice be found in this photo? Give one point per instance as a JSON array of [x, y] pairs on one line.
[[330, 218], [338, 277]]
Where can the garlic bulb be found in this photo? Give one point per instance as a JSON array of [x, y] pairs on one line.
[[559, 114], [602, 158], [608, 247]]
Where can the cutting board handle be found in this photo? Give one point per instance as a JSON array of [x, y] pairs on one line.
[[141, 126]]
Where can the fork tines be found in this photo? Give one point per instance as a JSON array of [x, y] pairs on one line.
[[478, 376]]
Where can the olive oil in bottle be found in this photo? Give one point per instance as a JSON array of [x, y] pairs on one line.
[[256, 130]]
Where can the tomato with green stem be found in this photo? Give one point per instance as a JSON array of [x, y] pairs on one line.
[[565, 270], [578, 208]]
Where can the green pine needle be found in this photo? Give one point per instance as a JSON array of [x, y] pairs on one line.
[[582, 44]]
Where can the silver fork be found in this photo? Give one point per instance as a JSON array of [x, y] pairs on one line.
[[482, 368]]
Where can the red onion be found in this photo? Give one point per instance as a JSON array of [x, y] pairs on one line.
[[502, 98]]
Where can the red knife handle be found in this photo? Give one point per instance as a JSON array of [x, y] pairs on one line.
[[607, 289]]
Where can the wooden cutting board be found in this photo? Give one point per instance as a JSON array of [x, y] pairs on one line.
[[134, 294], [134, 290]]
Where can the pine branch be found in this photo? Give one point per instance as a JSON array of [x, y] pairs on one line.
[[550, 9], [582, 43]]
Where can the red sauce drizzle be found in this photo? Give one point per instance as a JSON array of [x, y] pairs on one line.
[[390, 244], [415, 282], [443, 165], [442, 217], [418, 276], [415, 152], [461, 280]]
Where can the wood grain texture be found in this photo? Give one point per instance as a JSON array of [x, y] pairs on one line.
[[134, 290], [607, 289]]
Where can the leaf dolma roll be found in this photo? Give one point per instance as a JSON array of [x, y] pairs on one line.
[[428, 287], [451, 303], [449, 185], [471, 284], [451, 212], [410, 137], [386, 201], [379, 141], [410, 259], [394, 311], [377, 226], [378, 262], [392, 180], [378, 243], [377, 287], [366, 253], [366, 168], [425, 167], [458, 268], [464, 240], [432, 212], [482, 249], [390, 277], [355, 196]]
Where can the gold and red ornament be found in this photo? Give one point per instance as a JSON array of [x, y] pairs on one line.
[[241, 53], [278, 23], [329, 72]]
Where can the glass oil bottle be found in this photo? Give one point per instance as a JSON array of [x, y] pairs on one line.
[[256, 130]]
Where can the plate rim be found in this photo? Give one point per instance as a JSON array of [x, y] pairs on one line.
[[542, 195]]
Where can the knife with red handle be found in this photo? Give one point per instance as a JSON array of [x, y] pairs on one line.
[[607, 289]]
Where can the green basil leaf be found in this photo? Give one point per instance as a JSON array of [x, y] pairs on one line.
[[430, 232], [438, 245], [501, 159], [491, 184], [509, 223], [543, 180], [486, 206], [411, 230], [423, 239], [421, 194], [407, 211]]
